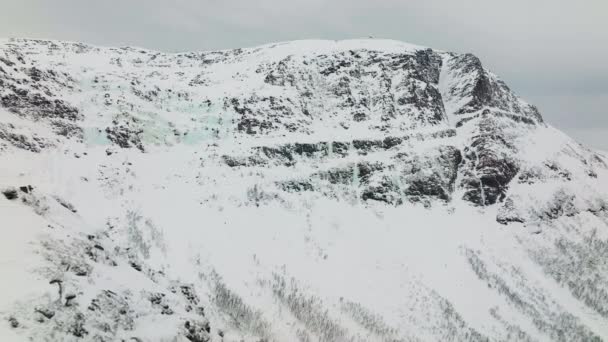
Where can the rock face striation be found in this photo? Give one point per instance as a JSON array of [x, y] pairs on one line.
[[361, 190]]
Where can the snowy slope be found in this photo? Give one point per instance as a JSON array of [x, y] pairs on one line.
[[361, 190]]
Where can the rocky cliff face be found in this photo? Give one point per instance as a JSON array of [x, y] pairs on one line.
[[310, 190]]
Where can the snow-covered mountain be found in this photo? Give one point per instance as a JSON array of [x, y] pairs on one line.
[[361, 190]]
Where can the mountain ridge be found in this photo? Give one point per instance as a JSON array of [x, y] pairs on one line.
[[307, 190]]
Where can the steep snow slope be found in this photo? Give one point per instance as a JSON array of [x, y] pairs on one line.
[[364, 190]]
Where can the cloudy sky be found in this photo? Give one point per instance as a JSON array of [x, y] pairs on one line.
[[554, 53]]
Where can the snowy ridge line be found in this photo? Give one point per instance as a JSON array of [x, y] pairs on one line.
[[362, 190], [317, 45]]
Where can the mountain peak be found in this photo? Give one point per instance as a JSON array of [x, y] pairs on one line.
[[357, 190]]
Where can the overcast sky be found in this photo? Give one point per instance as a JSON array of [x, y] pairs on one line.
[[553, 53]]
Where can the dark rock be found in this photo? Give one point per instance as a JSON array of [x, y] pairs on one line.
[[66, 128], [237, 161], [59, 286], [358, 117], [490, 165], [296, 186], [157, 299], [485, 91], [340, 148], [38, 105], [189, 293], [386, 191], [29, 143], [66, 204], [125, 137], [13, 322], [561, 204], [234, 161], [166, 310], [282, 154], [136, 266], [310, 150], [338, 175], [68, 298], [390, 142], [10, 194], [27, 189], [197, 331], [366, 169], [76, 328], [431, 186], [366, 146], [7, 62], [48, 314], [508, 213]]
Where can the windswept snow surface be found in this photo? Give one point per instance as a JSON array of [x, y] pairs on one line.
[[361, 190]]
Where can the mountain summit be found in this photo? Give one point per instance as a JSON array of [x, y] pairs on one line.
[[360, 190]]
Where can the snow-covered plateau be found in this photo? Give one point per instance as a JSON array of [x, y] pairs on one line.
[[360, 190]]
